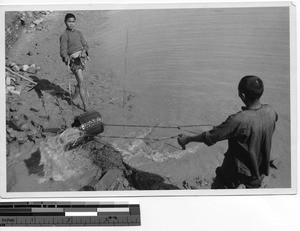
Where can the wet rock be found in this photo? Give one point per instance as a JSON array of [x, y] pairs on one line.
[[87, 188], [196, 183], [104, 155], [108, 179]]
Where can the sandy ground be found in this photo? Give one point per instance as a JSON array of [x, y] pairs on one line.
[[174, 67]]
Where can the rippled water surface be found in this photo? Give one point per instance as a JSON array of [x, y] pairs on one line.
[[183, 65]]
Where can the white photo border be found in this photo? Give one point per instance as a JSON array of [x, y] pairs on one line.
[[150, 193]]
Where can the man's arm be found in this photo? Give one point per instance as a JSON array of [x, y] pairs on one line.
[[226, 130], [63, 47]]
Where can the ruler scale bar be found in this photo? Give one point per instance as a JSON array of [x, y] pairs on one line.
[[49, 210], [32, 214], [69, 214], [81, 214], [49, 221], [112, 209], [10, 210]]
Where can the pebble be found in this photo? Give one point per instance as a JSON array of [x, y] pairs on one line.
[[23, 19], [7, 63], [15, 68], [17, 90], [9, 89], [30, 14], [34, 110], [31, 70], [8, 81], [125, 183], [37, 21], [24, 67]]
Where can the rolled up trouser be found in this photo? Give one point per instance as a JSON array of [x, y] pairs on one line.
[[77, 61]]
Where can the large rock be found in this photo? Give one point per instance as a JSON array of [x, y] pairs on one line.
[[108, 179]]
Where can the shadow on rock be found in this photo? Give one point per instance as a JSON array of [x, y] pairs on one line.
[[33, 164], [51, 88], [107, 157], [148, 181]]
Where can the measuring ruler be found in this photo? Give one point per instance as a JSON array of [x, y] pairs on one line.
[[69, 214]]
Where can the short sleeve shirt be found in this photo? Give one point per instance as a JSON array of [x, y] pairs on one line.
[[249, 134]]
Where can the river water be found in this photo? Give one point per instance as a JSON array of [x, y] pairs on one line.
[[183, 65], [184, 61]]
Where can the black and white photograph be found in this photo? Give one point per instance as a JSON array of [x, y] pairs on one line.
[[148, 99]]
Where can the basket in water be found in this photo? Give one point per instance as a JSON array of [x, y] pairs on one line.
[[90, 122]]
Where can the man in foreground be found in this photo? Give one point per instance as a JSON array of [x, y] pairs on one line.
[[249, 133]]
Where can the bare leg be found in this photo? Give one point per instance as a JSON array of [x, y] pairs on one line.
[[76, 92], [82, 91]]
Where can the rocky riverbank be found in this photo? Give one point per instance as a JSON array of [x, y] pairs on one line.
[[38, 107]]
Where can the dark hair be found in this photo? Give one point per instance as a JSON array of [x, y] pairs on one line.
[[252, 86], [69, 15]]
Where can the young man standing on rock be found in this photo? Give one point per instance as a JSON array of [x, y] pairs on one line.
[[74, 52], [249, 133]]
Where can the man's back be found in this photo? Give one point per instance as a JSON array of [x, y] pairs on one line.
[[249, 134], [249, 143]]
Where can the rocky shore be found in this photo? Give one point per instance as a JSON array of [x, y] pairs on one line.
[[38, 109]]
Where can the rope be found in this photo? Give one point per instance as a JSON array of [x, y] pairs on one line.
[[127, 137], [148, 126], [157, 126]]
